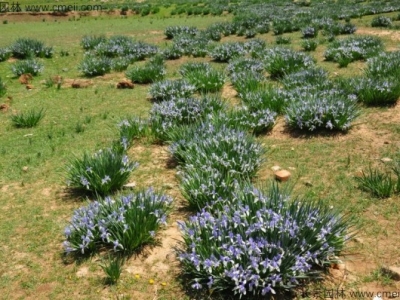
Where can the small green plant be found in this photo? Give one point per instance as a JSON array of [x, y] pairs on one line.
[[102, 173], [130, 129], [381, 21], [5, 22], [351, 49], [49, 82], [91, 41], [379, 184], [31, 66], [95, 66], [377, 90], [112, 267], [28, 48], [27, 119], [64, 53], [283, 40], [124, 223], [3, 88], [309, 44], [120, 64], [203, 77], [5, 53], [152, 71], [79, 127], [171, 89]]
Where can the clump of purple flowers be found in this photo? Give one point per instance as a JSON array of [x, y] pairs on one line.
[[173, 31], [124, 223], [260, 242], [313, 108], [166, 115], [171, 89], [95, 65], [231, 151], [29, 66], [281, 61], [354, 48], [226, 52]]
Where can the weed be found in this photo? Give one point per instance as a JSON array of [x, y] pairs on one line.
[[27, 119], [379, 184]]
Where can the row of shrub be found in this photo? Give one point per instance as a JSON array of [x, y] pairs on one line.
[[114, 53], [238, 240]]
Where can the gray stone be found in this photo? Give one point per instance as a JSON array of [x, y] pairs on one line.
[[276, 168], [386, 159], [130, 185]]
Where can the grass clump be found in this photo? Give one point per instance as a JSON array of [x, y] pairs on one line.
[[283, 40], [380, 185], [28, 48], [5, 53], [95, 65], [124, 223], [313, 108], [112, 267], [309, 45], [173, 31], [260, 242], [386, 64], [27, 119], [167, 115], [89, 42], [102, 173], [226, 52], [381, 21], [203, 77], [171, 89], [351, 49], [264, 97], [282, 61], [3, 88], [130, 129], [377, 91], [152, 71], [227, 149], [30, 66]]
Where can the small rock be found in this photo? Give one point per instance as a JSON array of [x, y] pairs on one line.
[[386, 159], [308, 183], [276, 168], [292, 149], [25, 169], [29, 86], [130, 185], [65, 70], [125, 85], [392, 271], [292, 168], [282, 175]]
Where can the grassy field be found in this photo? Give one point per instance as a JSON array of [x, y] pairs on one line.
[[36, 205]]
